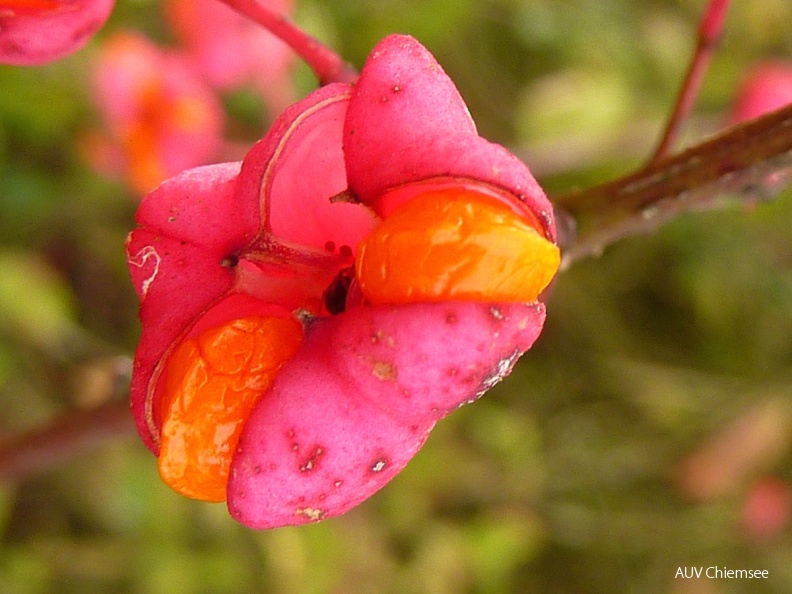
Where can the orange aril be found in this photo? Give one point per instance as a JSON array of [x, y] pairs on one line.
[[212, 382], [455, 244]]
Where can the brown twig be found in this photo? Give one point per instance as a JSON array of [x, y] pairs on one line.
[[45, 447], [748, 161]]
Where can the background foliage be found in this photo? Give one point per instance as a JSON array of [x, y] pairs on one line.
[[568, 477]]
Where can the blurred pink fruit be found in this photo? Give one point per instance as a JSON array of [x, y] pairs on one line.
[[230, 51], [34, 32], [159, 115], [765, 88], [766, 509]]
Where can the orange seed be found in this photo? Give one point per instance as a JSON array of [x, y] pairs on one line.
[[455, 244], [212, 383]]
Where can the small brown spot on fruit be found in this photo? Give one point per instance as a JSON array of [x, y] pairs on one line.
[[312, 461], [313, 514], [380, 337], [378, 465], [384, 371]]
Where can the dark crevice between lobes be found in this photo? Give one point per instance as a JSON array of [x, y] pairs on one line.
[[335, 295], [230, 261]]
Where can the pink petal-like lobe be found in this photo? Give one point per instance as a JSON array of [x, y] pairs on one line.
[[406, 123], [174, 261], [359, 399], [298, 167], [402, 100]]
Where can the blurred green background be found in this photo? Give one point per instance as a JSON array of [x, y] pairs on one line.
[[648, 429]]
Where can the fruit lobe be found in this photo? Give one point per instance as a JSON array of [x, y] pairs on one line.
[[358, 399]]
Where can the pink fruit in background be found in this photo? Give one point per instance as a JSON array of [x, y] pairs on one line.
[[229, 50], [35, 32], [766, 509], [160, 116], [765, 88], [343, 288]]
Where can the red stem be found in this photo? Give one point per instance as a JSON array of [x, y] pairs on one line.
[[326, 64], [708, 34]]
